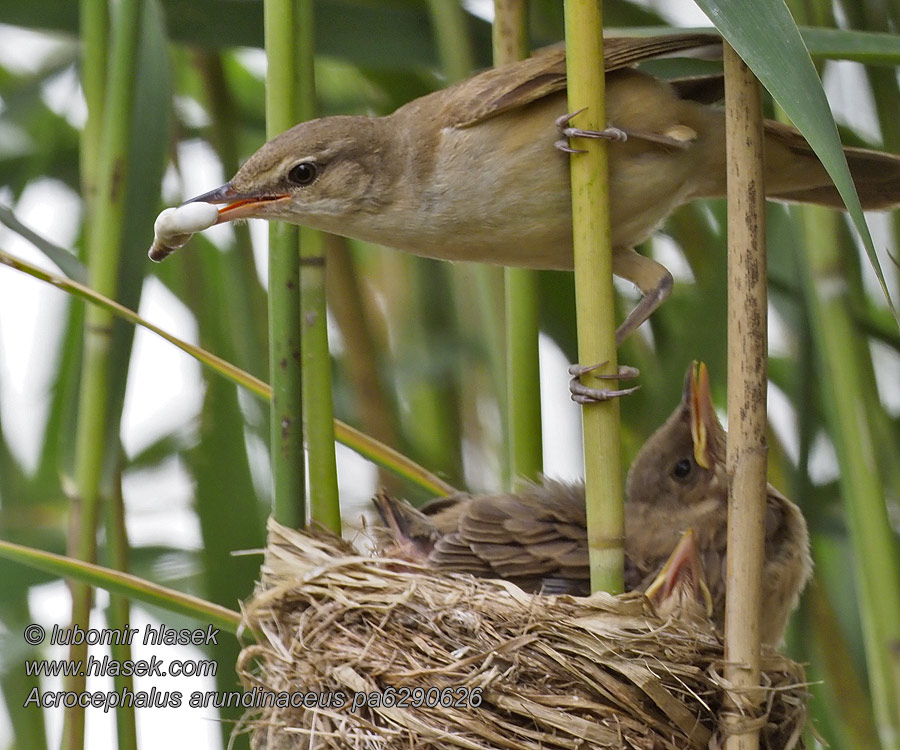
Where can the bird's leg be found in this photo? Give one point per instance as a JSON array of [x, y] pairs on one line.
[[562, 125], [654, 281], [584, 394]]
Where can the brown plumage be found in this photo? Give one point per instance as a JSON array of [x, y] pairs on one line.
[[537, 537], [471, 173]]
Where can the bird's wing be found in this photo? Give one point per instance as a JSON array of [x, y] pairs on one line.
[[537, 534], [512, 86]]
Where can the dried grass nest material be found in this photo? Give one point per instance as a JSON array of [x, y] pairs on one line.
[[551, 672]]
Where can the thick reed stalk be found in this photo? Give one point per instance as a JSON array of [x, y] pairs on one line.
[[594, 300], [318, 404], [523, 393], [747, 382], [285, 358], [118, 616], [104, 240]]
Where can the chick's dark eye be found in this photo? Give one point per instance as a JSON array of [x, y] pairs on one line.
[[304, 173], [682, 470]]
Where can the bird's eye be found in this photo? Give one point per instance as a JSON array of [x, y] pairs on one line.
[[683, 469], [304, 173]]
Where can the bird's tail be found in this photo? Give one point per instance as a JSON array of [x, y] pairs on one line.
[[795, 174]]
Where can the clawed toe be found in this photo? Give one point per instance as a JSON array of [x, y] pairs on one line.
[[583, 394], [563, 145], [625, 372], [562, 125]]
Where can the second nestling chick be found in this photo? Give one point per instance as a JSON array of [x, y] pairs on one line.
[[537, 538], [680, 589]]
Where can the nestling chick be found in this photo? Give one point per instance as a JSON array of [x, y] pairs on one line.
[[680, 590], [537, 538]]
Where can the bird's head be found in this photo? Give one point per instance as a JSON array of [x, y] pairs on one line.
[[407, 534], [319, 173], [683, 462]]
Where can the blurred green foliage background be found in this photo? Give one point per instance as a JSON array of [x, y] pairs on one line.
[[416, 344]]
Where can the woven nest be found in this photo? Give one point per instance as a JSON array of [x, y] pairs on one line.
[[443, 661]]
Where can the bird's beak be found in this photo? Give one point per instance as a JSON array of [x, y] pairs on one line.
[[703, 414], [683, 564], [238, 205]]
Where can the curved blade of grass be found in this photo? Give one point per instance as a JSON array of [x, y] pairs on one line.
[[366, 446], [385, 456], [767, 39], [65, 261], [77, 289], [869, 47], [127, 585]]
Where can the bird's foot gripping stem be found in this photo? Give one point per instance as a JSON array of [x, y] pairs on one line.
[[584, 394], [565, 130]]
